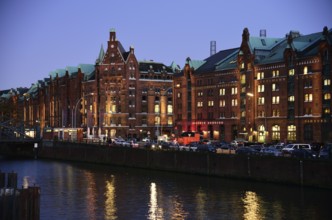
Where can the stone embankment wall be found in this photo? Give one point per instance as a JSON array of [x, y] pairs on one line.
[[317, 173]]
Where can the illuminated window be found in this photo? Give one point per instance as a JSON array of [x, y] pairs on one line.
[[291, 72], [242, 65], [276, 132], [156, 108], [261, 100], [327, 110], [261, 88], [234, 90], [210, 103], [291, 98], [291, 133], [275, 87], [170, 120], [90, 108], [260, 75], [327, 96], [199, 104], [327, 82], [275, 73], [200, 93], [308, 97], [222, 103], [234, 102], [170, 109], [275, 113], [243, 114], [243, 79], [179, 95], [275, 99], [305, 70], [157, 120], [221, 91]]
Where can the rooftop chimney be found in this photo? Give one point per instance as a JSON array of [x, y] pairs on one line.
[[213, 47]]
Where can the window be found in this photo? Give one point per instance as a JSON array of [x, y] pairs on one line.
[[234, 90], [170, 109], [210, 81], [243, 114], [200, 93], [305, 70], [222, 91], [179, 95], [199, 116], [291, 133], [275, 87], [210, 115], [156, 108], [260, 75], [222, 115], [291, 72], [275, 113], [275, 132], [234, 102], [275, 99], [327, 96], [308, 83], [327, 82], [275, 73], [222, 103], [261, 88], [243, 79], [242, 65], [199, 104], [210, 103], [157, 120], [210, 92], [169, 120], [308, 111], [291, 98], [308, 97], [261, 101]]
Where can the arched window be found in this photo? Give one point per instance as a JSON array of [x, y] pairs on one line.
[[276, 133], [291, 133], [261, 134]]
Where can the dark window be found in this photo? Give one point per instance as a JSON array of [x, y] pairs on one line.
[[308, 132]]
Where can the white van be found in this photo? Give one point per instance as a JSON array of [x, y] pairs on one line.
[[290, 147]]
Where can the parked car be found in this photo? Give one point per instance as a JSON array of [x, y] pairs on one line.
[[206, 148], [325, 153], [246, 151], [287, 150], [271, 151], [303, 153]]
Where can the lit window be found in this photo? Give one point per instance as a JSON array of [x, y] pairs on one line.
[[275, 87], [242, 65], [291, 98], [243, 114], [157, 120], [200, 93], [222, 103], [210, 103], [156, 108], [221, 91], [291, 132], [234, 102], [260, 75], [276, 113], [234, 90], [291, 72], [308, 97], [275, 73], [170, 109], [305, 70], [261, 101], [243, 79], [327, 111], [170, 120], [261, 88], [199, 104], [275, 99], [275, 132], [327, 96], [179, 95], [327, 82]]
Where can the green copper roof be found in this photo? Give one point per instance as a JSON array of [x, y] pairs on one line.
[[196, 63]]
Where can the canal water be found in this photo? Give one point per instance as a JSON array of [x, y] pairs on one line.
[[89, 191]]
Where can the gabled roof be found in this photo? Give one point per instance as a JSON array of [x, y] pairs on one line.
[[145, 66], [211, 63]]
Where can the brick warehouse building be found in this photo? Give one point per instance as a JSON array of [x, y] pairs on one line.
[[116, 96], [268, 89]]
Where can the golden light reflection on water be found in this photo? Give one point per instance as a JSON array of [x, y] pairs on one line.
[[91, 194], [252, 209], [155, 212], [110, 206], [201, 199]]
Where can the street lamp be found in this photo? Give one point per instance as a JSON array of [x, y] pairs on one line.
[[73, 119]]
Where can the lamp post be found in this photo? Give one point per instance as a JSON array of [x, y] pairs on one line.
[[73, 120]]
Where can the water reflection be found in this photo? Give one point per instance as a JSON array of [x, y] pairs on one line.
[[86, 191], [110, 206]]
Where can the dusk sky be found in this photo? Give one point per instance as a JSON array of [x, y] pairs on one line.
[[40, 36]]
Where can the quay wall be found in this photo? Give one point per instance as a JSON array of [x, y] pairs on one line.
[[303, 172]]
